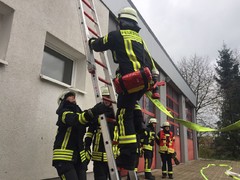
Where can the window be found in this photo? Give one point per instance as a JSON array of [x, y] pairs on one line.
[[172, 102], [6, 16], [172, 98], [57, 66], [189, 112], [63, 65], [189, 134]]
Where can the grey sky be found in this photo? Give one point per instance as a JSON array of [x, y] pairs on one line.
[[188, 27]]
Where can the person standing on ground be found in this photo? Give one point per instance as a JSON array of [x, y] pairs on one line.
[[135, 71], [165, 139], [148, 147], [69, 156], [94, 136]]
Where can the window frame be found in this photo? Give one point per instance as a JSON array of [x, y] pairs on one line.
[[79, 70], [68, 58], [6, 19], [173, 97]]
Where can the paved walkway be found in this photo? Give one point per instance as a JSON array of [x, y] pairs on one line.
[[191, 170]]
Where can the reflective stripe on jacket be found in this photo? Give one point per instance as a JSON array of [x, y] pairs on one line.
[[166, 142], [68, 145], [148, 138], [128, 50]]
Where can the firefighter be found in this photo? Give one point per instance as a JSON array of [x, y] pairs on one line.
[[148, 147], [136, 67], [69, 156], [94, 136], [165, 139]]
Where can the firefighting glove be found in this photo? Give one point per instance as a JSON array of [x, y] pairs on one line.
[[98, 109], [90, 42]]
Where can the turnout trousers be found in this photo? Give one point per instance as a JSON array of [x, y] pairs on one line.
[[166, 164], [148, 155], [100, 170], [71, 171], [129, 119]]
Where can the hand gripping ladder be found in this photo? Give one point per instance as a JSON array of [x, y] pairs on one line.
[[90, 28]]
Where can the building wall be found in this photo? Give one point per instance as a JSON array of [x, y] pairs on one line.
[[28, 102]]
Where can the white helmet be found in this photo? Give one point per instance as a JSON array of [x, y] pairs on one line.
[[65, 94], [166, 124], [152, 120], [155, 72], [105, 91], [128, 13]]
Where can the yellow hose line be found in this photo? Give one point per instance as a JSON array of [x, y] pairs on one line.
[[189, 124], [228, 172]]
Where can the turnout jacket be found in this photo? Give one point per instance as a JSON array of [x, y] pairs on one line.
[[148, 138], [128, 50], [72, 121], [94, 136], [165, 140]]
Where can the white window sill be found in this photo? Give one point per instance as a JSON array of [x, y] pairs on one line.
[[3, 62], [61, 83]]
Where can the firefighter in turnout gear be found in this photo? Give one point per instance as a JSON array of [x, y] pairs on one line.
[[165, 139], [69, 156], [94, 136], [134, 78], [148, 147]]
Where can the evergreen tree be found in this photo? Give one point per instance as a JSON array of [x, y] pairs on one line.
[[228, 143]]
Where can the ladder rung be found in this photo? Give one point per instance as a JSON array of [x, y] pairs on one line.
[[115, 143], [109, 100], [90, 17], [104, 81], [91, 27], [100, 63], [87, 4], [92, 31], [111, 120]]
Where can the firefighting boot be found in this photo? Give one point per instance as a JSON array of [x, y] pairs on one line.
[[170, 176], [149, 176], [164, 175]]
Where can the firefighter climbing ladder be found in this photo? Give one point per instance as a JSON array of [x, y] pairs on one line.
[[90, 28]]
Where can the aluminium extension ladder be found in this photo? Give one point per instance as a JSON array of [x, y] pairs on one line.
[[90, 28]]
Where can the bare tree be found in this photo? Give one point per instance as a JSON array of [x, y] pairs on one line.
[[199, 74]]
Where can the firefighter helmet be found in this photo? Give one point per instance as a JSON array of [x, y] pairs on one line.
[[128, 13], [152, 120], [65, 95], [105, 91], [166, 124]]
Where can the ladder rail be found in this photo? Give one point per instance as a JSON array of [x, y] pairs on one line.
[[104, 58], [95, 81]]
